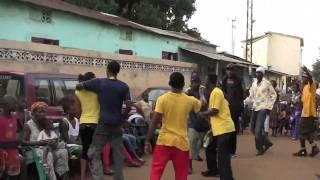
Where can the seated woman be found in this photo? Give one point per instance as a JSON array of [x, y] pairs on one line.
[[31, 133]]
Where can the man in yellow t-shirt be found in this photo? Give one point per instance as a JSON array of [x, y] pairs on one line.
[[172, 109], [222, 128], [308, 116]]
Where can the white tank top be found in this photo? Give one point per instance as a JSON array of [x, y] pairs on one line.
[[73, 131]]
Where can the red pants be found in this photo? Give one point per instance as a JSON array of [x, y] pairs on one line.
[[179, 158], [106, 156]]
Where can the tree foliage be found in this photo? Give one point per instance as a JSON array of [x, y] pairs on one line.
[[170, 15], [316, 70]]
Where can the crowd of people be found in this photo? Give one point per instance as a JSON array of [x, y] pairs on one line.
[[94, 128]]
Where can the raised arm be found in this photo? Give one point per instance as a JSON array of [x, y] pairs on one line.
[[305, 69], [92, 85]]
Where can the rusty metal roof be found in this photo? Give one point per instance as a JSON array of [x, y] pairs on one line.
[[218, 57], [109, 19]]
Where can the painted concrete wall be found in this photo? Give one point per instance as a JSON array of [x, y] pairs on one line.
[[284, 54], [260, 52], [137, 79], [77, 32]]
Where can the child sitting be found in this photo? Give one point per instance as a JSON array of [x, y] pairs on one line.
[[9, 156], [45, 152]]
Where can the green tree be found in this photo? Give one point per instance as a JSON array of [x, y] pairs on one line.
[[170, 15], [316, 70]]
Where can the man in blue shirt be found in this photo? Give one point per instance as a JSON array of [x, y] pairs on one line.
[[112, 93]]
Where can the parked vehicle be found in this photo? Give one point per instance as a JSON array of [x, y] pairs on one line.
[[154, 93], [32, 87]]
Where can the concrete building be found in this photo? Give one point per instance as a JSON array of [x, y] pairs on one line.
[[51, 35], [279, 53]]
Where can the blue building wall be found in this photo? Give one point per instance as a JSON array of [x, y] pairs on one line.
[[17, 23]]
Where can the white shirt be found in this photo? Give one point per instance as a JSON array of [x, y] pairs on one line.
[[262, 95], [44, 136], [73, 131]]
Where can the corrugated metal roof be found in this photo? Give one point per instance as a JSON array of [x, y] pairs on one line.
[[217, 57], [109, 18]]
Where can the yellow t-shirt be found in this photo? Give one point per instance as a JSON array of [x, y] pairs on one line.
[[175, 109], [221, 123], [308, 99], [90, 107]]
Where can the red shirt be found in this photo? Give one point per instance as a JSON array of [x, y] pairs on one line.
[[8, 128]]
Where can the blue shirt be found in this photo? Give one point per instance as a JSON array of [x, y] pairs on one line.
[[111, 94]]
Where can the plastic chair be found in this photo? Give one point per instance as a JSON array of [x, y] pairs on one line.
[[35, 159]]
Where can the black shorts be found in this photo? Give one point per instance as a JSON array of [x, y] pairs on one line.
[[86, 133], [308, 127]]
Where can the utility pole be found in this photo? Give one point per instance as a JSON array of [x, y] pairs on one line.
[[249, 30], [232, 35]]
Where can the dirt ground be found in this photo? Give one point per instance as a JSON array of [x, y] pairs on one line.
[[276, 164]]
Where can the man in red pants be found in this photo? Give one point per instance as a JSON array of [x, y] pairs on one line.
[[172, 109]]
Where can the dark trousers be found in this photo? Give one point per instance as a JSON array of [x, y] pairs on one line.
[[235, 118], [105, 134], [257, 128], [219, 156], [211, 154], [86, 133]]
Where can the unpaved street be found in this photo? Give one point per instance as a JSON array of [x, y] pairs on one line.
[[277, 164]]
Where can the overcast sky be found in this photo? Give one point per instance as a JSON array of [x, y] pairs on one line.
[[294, 17]]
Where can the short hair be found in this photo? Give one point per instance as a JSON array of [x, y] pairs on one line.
[[86, 77], [5, 100], [113, 67], [176, 80], [212, 78], [38, 105]]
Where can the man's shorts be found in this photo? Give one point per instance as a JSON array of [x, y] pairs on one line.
[[9, 162], [307, 127]]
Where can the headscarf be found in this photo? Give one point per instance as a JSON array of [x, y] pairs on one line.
[[38, 105]]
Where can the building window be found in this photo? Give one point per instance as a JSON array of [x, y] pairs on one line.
[[126, 52], [126, 35], [169, 56], [43, 15], [46, 16], [45, 41]]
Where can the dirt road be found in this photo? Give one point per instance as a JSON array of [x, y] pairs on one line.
[[276, 164]]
